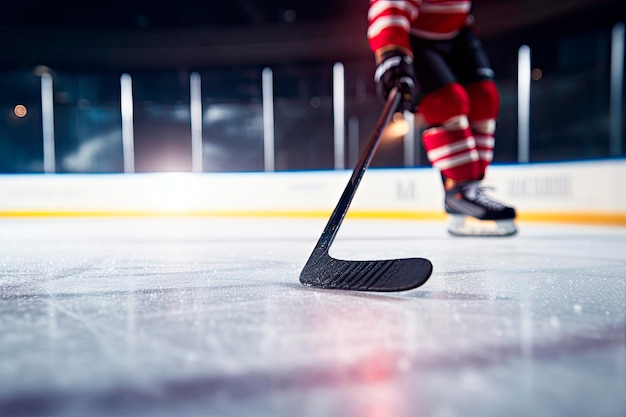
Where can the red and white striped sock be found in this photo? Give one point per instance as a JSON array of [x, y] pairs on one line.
[[452, 149], [484, 131]]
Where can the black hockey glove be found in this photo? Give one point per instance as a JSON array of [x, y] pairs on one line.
[[396, 70]]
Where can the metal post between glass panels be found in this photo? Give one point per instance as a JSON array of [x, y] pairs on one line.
[[339, 104], [128, 146], [523, 102], [47, 116], [353, 140], [267, 80], [195, 99], [617, 90]]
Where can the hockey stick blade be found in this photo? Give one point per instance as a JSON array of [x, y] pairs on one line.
[[391, 275], [324, 271]]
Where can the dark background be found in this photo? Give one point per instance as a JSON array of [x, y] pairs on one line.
[[193, 33]]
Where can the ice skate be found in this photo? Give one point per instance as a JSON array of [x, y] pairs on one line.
[[472, 213]]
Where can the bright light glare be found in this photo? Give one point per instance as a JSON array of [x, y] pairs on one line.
[[397, 128], [20, 110]]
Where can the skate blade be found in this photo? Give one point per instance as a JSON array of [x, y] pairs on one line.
[[460, 225]]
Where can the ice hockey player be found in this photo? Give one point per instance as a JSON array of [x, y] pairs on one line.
[[430, 51]]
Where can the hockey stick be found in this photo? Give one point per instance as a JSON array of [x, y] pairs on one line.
[[324, 271]]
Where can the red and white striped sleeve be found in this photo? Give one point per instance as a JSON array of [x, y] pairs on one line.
[[390, 22]]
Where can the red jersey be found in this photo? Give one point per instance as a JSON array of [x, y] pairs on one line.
[[391, 21]]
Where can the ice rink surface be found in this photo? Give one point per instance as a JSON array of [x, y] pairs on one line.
[[206, 317]]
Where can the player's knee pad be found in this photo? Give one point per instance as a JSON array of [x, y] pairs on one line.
[[447, 102], [484, 99]]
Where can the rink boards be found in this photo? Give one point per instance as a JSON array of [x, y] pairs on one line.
[[579, 192]]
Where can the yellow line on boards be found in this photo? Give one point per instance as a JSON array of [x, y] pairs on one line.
[[618, 219], [571, 217]]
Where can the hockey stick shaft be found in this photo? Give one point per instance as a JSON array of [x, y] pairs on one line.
[[338, 214]]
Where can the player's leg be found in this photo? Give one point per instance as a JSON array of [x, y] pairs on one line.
[[451, 144], [470, 63], [444, 105], [452, 148]]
